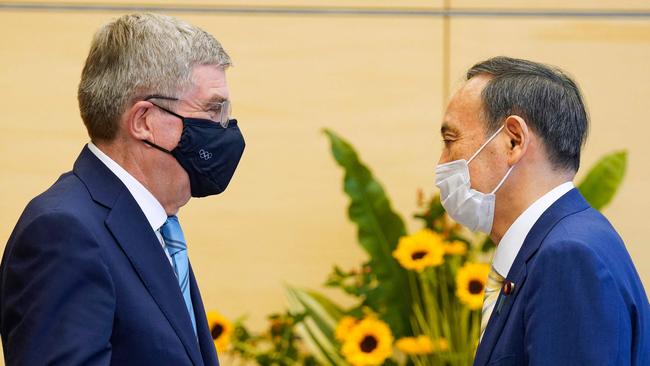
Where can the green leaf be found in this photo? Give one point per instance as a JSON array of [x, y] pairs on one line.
[[604, 179], [379, 229], [318, 327]]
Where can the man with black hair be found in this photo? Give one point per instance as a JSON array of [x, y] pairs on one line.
[[562, 289]]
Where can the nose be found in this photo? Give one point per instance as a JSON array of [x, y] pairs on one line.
[[444, 157]]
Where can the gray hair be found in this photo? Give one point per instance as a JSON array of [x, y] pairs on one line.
[[136, 55], [544, 96]]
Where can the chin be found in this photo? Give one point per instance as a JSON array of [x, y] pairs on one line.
[[186, 197], [184, 188], [180, 190]]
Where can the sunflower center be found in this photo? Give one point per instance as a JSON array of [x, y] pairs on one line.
[[368, 344], [418, 255], [216, 331], [475, 287]]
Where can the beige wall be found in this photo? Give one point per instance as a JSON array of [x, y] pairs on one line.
[[375, 80]]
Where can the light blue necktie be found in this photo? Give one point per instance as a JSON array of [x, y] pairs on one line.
[[177, 248]]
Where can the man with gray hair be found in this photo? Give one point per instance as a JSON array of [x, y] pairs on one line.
[[562, 289], [96, 271]]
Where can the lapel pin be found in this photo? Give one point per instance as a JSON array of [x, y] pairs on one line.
[[508, 288]]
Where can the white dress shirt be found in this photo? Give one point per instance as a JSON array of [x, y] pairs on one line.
[[513, 239], [152, 209]]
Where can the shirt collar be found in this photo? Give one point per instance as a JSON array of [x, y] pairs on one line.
[[149, 205], [513, 239]]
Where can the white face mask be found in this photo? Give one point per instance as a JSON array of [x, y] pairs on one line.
[[465, 205]]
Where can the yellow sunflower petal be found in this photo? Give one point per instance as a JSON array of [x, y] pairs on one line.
[[415, 345], [221, 330], [441, 345], [455, 248], [344, 327]]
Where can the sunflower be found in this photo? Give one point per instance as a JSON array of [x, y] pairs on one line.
[[420, 250], [415, 345], [470, 284], [456, 247], [370, 342], [345, 326], [221, 330]]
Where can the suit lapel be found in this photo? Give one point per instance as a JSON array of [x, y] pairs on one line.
[[206, 342], [568, 204], [132, 231], [499, 316]]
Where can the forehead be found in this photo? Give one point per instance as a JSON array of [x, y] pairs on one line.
[[464, 111], [209, 84]]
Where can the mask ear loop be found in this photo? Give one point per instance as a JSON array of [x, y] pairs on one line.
[[485, 144], [503, 180]]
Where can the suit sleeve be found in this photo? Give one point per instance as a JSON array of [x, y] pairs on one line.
[[572, 315], [58, 298]]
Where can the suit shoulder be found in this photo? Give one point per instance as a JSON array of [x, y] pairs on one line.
[[65, 206], [584, 239], [587, 242], [567, 248], [66, 187], [587, 229], [67, 195]]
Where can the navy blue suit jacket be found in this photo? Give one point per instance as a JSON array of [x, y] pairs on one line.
[[577, 299], [85, 281]]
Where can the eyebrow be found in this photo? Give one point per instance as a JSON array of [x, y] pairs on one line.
[[445, 128], [216, 100]]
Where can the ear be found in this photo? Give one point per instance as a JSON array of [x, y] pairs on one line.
[[519, 136], [138, 121]]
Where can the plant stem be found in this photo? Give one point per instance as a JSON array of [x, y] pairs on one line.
[[431, 308]]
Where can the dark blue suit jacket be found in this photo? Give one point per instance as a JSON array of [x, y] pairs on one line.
[[85, 281], [577, 298]]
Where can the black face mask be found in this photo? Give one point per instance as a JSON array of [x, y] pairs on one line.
[[208, 152]]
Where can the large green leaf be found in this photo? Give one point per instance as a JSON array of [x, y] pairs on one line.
[[379, 229], [317, 329], [603, 180]]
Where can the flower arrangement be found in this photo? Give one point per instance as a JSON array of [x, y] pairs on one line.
[[418, 298], [278, 345], [445, 278]]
